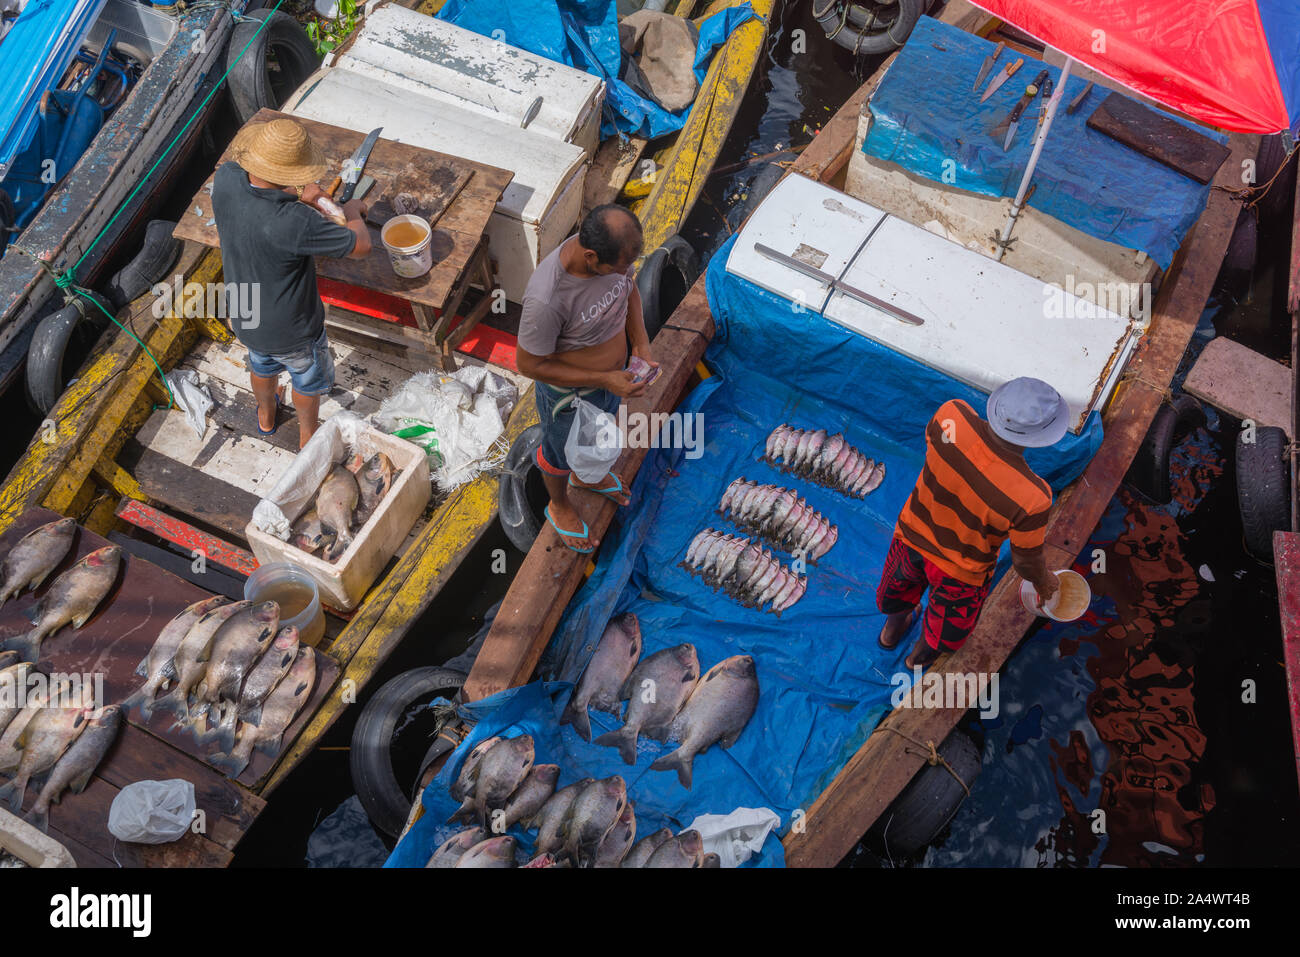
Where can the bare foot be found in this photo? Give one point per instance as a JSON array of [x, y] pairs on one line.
[[266, 419], [922, 655], [895, 627]]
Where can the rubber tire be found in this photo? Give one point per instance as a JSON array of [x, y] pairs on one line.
[[1272, 153], [370, 761], [251, 84], [930, 799], [885, 40], [158, 254], [518, 520], [1263, 489], [1149, 473], [49, 347], [8, 216], [665, 277]]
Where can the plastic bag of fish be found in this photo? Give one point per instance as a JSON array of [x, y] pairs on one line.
[[234, 676]]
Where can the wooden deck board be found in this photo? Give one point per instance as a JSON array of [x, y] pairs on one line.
[[1286, 561], [1243, 383]]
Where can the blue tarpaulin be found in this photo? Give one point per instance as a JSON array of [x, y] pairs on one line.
[[926, 119], [825, 683], [584, 34]]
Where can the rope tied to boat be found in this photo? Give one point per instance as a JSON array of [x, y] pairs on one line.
[[1166, 394], [930, 752]]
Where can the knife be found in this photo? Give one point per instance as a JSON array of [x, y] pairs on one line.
[[1078, 100], [1013, 121], [1002, 77], [356, 163], [988, 65]]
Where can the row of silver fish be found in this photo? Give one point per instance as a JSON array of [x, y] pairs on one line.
[[344, 503], [48, 736], [745, 570], [828, 460], [72, 597], [667, 698], [780, 516]]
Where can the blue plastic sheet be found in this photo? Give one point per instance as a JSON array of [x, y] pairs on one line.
[[584, 34], [926, 119]]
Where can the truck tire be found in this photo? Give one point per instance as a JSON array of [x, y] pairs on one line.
[[1263, 489], [930, 799], [844, 24], [517, 491], [60, 344], [665, 277], [158, 254], [371, 762], [276, 62], [1149, 473]]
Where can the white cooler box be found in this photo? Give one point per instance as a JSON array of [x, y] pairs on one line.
[[540, 206], [980, 321]]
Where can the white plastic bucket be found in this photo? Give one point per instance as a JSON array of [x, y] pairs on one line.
[[268, 580], [1067, 604], [409, 262]]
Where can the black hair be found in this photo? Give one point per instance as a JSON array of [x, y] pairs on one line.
[[603, 236]]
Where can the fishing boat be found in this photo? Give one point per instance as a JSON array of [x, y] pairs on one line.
[[105, 101], [116, 455], [853, 762]]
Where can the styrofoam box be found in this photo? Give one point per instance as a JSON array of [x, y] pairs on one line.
[[30, 846], [344, 583]]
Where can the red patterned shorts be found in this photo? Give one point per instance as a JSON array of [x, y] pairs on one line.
[[954, 605]]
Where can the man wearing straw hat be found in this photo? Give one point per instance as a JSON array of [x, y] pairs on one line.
[[975, 491], [269, 232]]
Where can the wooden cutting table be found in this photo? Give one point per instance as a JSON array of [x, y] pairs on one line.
[[457, 197]]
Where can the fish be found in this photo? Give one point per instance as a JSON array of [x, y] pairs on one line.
[[308, 533], [646, 847], [37, 554], [501, 770], [710, 860], [72, 772], [463, 786], [547, 860], [13, 684], [268, 672], [494, 852], [618, 841], [335, 502], [550, 819], [42, 743], [162, 653], [329, 209], [749, 573], [190, 661], [717, 711], [534, 791], [595, 811], [684, 850], [72, 598], [616, 655], [877, 477], [36, 700], [278, 712], [453, 849], [655, 690], [236, 648], [374, 479]]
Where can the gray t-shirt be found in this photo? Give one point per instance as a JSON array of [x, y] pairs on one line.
[[563, 312]]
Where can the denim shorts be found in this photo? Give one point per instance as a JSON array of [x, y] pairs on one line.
[[555, 410], [311, 368]]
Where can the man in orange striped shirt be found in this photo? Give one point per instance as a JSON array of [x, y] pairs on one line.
[[975, 491]]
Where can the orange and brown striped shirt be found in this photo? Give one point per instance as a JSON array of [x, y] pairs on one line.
[[971, 497]]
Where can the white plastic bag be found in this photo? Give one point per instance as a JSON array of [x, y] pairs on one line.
[[329, 446], [192, 398], [594, 442], [735, 837], [152, 812]]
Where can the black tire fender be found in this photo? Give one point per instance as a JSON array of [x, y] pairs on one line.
[[931, 798], [47, 355], [158, 254], [514, 510], [1149, 472], [664, 279], [845, 26], [370, 760], [8, 219], [1263, 488], [253, 83]]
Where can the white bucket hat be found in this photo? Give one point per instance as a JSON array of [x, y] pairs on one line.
[[1028, 412]]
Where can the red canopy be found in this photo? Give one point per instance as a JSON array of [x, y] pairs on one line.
[[1230, 63]]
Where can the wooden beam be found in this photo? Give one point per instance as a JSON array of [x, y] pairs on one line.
[[884, 765], [552, 572], [1286, 561]]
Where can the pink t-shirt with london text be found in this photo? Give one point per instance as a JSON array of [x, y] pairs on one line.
[[563, 312]]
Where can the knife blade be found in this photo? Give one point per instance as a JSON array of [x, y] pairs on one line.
[[1078, 100], [1005, 74], [1013, 121], [989, 60], [356, 163]]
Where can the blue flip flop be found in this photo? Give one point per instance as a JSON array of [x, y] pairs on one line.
[[563, 534], [608, 492]]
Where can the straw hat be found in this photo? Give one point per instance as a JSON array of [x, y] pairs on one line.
[[280, 152]]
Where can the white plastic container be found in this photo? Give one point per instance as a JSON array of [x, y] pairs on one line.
[[270, 582], [342, 584], [409, 262], [1067, 604]]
